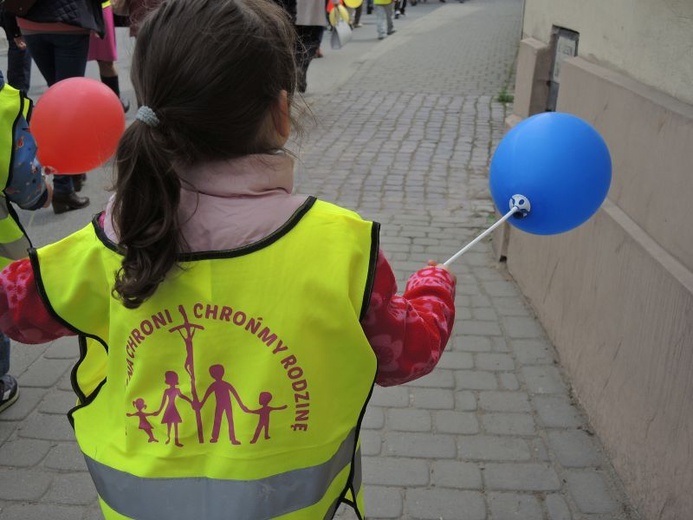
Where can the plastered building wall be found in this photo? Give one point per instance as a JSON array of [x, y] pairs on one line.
[[616, 294]]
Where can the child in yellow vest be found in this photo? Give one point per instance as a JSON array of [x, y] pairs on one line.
[[207, 286]]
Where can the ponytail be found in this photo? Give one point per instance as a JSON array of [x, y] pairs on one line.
[[145, 214]]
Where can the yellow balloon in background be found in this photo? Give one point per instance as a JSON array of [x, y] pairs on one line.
[[353, 4], [343, 13]]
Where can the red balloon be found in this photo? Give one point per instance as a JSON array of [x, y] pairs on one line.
[[77, 124]]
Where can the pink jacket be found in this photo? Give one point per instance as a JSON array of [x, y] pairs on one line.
[[233, 203]]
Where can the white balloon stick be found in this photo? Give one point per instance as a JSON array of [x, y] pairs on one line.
[[505, 217]]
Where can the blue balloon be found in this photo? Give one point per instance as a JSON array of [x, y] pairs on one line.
[[559, 163]]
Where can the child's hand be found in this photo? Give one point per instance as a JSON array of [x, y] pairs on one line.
[[434, 263]]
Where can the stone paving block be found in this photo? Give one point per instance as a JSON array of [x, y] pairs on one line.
[[508, 306], [439, 378], [371, 442], [522, 327], [392, 396], [7, 430], [45, 373], [493, 448], [508, 423], [465, 401], [456, 422], [430, 446], [409, 420], [42, 511], [432, 399], [462, 342], [390, 471], [544, 379], [494, 362], [502, 401], [533, 351], [48, 427], [65, 349], [446, 504], [374, 418], [72, 489], [383, 502], [91, 513], [66, 456], [456, 474], [456, 361], [520, 477], [557, 507], [58, 402], [514, 506], [494, 287], [28, 400], [479, 328], [509, 381], [23, 452], [590, 492], [575, 448], [23, 484], [476, 380], [540, 452], [557, 412]]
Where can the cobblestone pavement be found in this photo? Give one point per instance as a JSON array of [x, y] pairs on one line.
[[494, 432]]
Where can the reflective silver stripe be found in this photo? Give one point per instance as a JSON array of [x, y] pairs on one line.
[[213, 499]]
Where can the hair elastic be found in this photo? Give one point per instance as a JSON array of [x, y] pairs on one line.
[[147, 116]]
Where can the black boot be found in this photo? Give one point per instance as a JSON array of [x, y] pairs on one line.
[[113, 83], [63, 202], [78, 181]]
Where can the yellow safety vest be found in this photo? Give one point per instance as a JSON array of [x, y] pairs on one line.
[[13, 240], [236, 391]]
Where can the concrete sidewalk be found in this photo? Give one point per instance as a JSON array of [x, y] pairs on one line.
[[404, 131]]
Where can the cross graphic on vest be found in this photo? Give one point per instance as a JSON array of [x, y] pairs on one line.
[[190, 329]]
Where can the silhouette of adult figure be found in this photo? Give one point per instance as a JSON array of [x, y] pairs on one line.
[[222, 394]]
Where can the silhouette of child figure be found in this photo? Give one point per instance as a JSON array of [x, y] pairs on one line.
[[264, 413], [171, 416], [144, 423], [222, 394]]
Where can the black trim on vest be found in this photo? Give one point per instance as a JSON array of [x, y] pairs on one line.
[[84, 399], [350, 479], [227, 253], [33, 257], [370, 279]]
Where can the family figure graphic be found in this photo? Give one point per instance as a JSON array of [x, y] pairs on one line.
[[222, 391]]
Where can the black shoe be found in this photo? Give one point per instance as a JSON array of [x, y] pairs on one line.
[[393, 31], [63, 202], [9, 391], [78, 181], [125, 103]]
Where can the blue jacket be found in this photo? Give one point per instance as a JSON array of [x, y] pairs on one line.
[[86, 14]]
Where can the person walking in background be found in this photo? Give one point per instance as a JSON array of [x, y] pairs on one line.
[[204, 229], [310, 27], [22, 183], [18, 57], [57, 35], [384, 14], [105, 52]]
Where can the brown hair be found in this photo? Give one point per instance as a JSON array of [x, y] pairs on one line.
[[211, 70]]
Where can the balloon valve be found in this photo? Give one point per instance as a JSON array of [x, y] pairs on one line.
[[520, 204]]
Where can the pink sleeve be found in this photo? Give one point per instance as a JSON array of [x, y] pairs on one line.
[[23, 315], [408, 333]]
